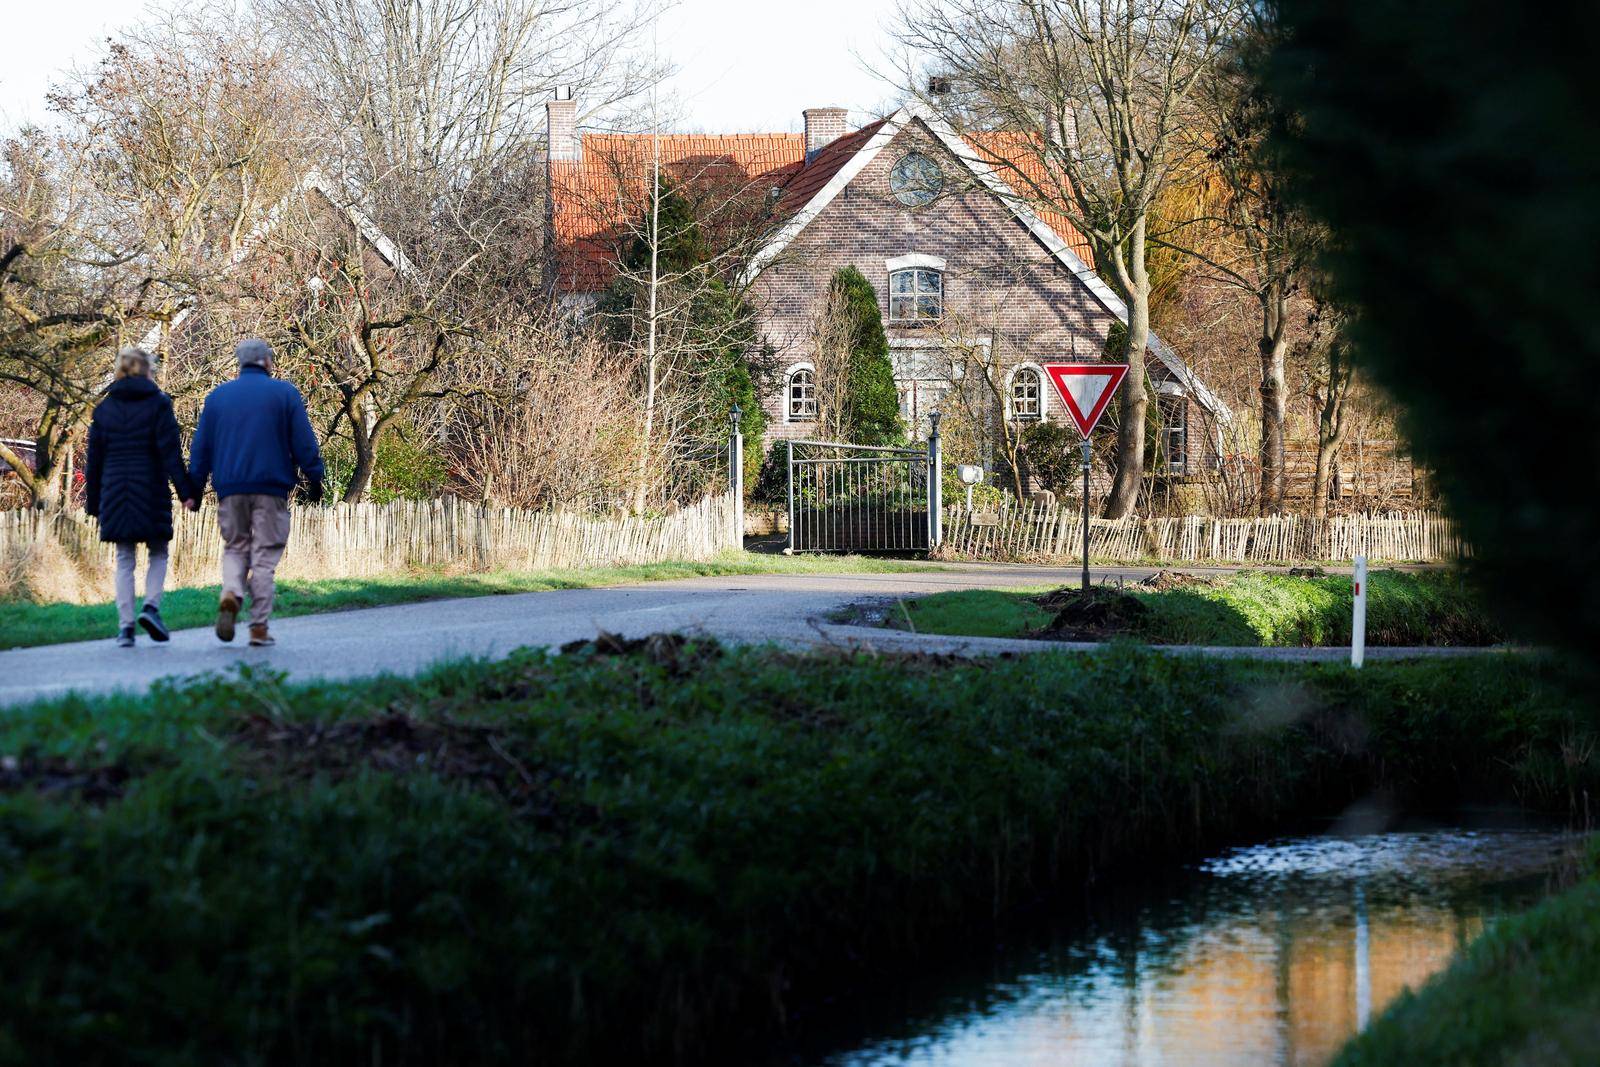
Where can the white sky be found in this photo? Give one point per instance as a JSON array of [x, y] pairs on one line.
[[744, 65]]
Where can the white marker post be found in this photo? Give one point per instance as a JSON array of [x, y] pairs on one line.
[[1358, 619]]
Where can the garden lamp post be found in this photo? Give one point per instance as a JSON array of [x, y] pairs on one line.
[[736, 474]]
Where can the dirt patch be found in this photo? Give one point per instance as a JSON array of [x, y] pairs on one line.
[[470, 753], [58, 777], [676, 653], [1093, 615], [1163, 581]]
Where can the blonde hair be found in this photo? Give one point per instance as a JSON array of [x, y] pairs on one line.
[[133, 362]]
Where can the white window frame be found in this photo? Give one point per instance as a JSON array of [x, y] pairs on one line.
[[788, 393], [914, 259], [1177, 461], [1011, 396], [917, 272]]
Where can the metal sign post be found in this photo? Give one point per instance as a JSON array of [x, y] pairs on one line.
[[1086, 390], [1088, 451]]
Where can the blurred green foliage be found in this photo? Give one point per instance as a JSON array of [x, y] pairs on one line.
[[1454, 154]]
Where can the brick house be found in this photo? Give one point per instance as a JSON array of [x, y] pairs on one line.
[[958, 261]]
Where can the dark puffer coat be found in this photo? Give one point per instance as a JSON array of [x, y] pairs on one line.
[[133, 453]]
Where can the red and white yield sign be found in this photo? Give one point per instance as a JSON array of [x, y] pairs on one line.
[[1086, 389]]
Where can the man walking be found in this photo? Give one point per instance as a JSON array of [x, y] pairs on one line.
[[252, 440]]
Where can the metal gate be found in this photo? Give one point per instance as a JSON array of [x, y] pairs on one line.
[[862, 498]]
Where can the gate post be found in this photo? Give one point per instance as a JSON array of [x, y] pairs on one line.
[[935, 485], [736, 476], [789, 449]]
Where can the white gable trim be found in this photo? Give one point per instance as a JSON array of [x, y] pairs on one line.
[[1051, 240], [825, 195]]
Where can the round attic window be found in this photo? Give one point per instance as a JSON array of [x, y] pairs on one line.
[[915, 180]]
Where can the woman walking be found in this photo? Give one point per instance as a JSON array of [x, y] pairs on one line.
[[133, 453]]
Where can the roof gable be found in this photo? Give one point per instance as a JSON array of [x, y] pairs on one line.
[[854, 157]]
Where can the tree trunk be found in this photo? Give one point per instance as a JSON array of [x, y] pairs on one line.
[[1331, 425], [1271, 345], [1130, 435], [641, 491], [364, 430]]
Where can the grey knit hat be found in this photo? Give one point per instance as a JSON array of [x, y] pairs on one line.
[[253, 352]]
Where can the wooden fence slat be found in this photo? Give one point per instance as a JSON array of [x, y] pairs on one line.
[[1037, 531], [359, 540]]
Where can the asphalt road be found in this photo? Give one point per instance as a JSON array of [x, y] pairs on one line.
[[787, 609]]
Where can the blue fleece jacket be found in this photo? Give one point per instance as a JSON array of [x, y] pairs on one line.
[[253, 436]]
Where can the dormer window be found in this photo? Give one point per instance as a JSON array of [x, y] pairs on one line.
[[916, 295]]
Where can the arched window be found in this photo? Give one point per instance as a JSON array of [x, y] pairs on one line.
[[1175, 432], [802, 394], [1027, 397], [916, 295]]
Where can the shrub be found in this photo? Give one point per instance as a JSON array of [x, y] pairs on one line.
[[1050, 450]]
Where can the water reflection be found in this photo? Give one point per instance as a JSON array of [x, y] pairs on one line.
[[1272, 954]]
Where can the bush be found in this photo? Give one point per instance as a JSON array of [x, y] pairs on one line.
[[1050, 451], [874, 417], [1398, 127], [605, 856]]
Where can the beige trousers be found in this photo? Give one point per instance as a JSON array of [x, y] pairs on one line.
[[255, 527], [155, 578]]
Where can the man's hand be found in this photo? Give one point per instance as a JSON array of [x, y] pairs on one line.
[[313, 492], [192, 505]]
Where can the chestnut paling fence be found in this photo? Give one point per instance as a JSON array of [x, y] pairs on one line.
[[356, 540], [1041, 531]]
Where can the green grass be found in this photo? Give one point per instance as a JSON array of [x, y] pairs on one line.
[[1249, 608], [1526, 992], [24, 623], [632, 858]]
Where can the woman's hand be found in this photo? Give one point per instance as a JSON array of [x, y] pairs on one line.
[[192, 505]]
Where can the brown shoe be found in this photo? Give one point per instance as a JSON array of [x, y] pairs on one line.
[[259, 638], [227, 616]]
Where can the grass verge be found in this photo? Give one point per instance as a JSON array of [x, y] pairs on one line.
[[640, 855], [1526, 992], [25, 623], [1249, 608]]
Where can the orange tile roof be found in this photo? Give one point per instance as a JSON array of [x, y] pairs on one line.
[[1017, 163], [595, 199]]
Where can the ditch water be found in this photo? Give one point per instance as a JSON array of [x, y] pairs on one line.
[[1271, 954]]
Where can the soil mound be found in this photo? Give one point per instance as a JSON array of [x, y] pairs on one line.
[[1095, 615]]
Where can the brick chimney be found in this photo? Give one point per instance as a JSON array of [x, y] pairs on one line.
[[824, 125], [562, 117]]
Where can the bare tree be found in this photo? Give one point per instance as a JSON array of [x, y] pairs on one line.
[[1091, 99], [554, 422], [1333, 380], [833, 335], [674, 235], [980, 375], [1246, 233], [129, 212], [59, 308], [447, 92]]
